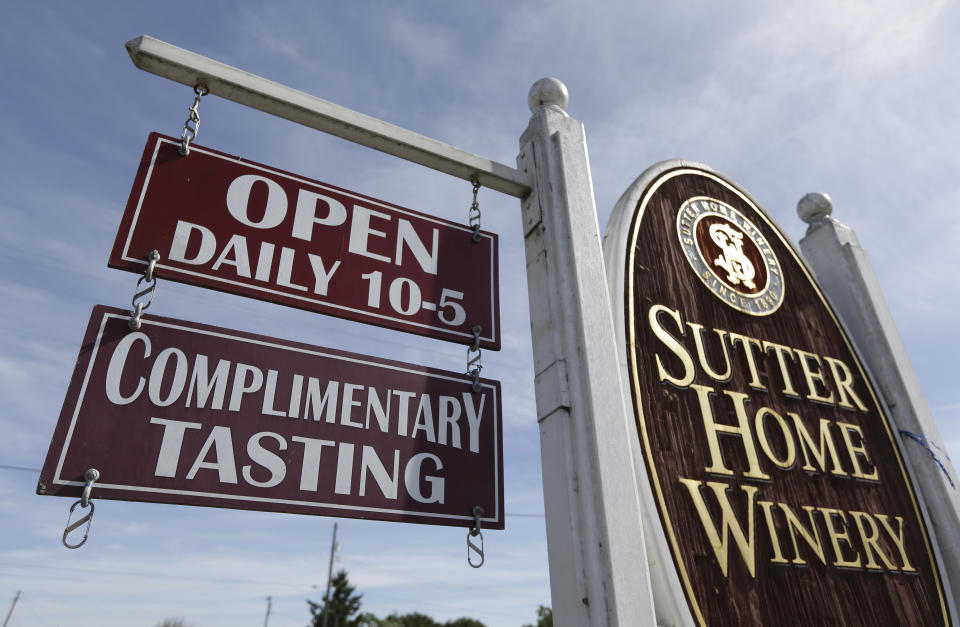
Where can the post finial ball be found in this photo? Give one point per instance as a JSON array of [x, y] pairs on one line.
[[548, 91], [814, 207]]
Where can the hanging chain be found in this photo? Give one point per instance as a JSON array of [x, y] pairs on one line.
[[473, 216], [138, 302], [474, 532], [90, 476], [192, 126], [474, 355]]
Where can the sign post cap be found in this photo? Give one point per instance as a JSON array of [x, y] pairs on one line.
[[814, 207], [546, 92]]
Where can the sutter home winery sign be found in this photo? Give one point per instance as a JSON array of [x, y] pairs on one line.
[[781, 491]]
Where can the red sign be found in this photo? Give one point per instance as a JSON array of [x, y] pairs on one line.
[[191, 414], [229, 224]]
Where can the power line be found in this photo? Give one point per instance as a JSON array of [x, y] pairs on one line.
[[180, 580], [21, 468]]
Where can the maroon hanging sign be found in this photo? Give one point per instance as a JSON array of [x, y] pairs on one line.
[[229, 224], [184, 413]]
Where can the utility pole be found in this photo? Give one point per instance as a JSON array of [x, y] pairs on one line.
[[326, 597], [16, 597], [267, 617]]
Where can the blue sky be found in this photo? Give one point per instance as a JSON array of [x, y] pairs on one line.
[[853, 99]]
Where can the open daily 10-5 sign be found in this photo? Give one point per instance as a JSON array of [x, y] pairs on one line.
[[225, 223], [782, 495], [179, 412]]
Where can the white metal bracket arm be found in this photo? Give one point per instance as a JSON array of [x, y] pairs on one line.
[[189, 68]]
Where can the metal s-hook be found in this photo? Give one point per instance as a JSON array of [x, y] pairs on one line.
[[474, 532], [90, 476], [192, 126], [137, 301], [85, 519], [474, 359], [473, 215]]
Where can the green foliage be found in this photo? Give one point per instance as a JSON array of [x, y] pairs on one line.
[[343, 605], [416, 619], [544, 617], [345, 612], [368, 619]]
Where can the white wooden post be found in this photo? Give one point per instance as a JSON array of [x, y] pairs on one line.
[[598, 565], [845, 274]]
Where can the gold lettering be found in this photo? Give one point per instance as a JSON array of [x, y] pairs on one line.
[[871, 541], [813, 376], [702, 353], [807, 447], [759, 425], [844, 384], [855, 450], [812, 539], [748, 344], [772, 530], [836, 535], [673, 344], [713, 429], [898, 540], [728, 522], [782, 353]]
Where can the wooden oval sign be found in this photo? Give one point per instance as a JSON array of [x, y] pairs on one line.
[[782, 495]]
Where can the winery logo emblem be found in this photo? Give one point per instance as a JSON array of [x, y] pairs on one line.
[[730, 256]]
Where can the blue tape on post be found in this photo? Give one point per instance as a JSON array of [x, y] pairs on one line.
[[926, 443]]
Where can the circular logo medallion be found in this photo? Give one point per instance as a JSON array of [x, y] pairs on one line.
[[730, 256]]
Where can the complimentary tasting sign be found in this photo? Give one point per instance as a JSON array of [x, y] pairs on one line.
[[184, 413], [229, 224], [782, 494]]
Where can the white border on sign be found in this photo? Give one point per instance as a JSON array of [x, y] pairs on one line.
[[125, 255], [496, 518]]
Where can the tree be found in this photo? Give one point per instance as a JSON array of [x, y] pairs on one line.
[[416, 619], [369, 619], [343, 605], [544, 617]]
